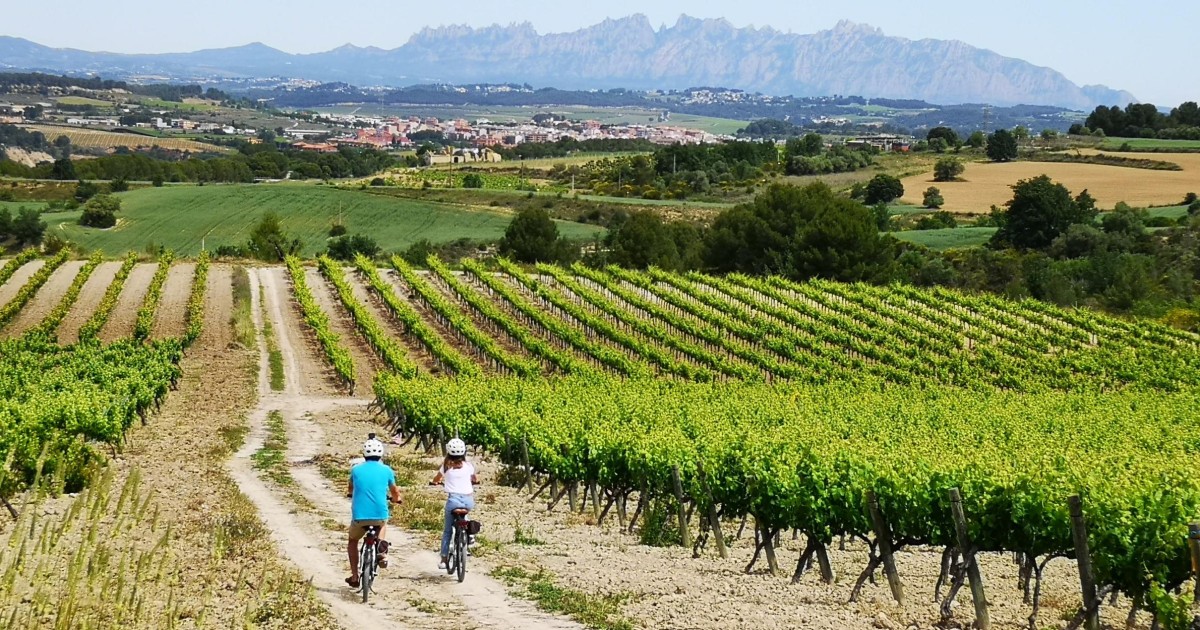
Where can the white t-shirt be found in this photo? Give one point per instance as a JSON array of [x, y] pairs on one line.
[[458, 480]]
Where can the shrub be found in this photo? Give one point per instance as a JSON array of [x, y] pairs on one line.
[[947, 169], [933, 198], [379, 181], [1194, 207], [337, 229], [472, 180], [100, 211], [883, 189]]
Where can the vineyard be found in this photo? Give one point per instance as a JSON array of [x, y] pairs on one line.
[[60, 403], [804, 407], [896, 418]]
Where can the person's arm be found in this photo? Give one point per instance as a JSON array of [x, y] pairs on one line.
[[474, 477], [394, 493], [350, 488], [437, 479]]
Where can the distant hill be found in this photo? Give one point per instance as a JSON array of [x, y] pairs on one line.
[[629, 52]]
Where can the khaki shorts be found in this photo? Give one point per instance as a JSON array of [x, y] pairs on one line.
[[358, 529]]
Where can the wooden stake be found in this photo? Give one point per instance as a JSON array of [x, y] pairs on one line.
[[595, 500], [685, 536], [1194, 547], [571, 489], [525, 462], [883, 538], [442, 440], [714, 521], [1086, 581], [982, 621]]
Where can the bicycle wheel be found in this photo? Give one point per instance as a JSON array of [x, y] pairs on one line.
[[366, 570], [451, 561], [460, 550]]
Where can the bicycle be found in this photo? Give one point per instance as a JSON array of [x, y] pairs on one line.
[[456, 562], [368, 560]]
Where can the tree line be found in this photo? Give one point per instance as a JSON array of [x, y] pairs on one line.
[[1144, 120]]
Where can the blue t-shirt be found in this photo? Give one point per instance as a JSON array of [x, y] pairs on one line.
[[371, 482]]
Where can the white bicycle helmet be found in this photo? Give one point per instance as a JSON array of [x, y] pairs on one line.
[[456, 448], [372, 448]]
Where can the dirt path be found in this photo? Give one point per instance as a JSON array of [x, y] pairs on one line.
[[366, 363], [307, 539], [124, 316], [46, 298], [89, 298], [309, 366], [171, 318]]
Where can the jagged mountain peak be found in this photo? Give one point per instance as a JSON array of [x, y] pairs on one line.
[[849, 58]]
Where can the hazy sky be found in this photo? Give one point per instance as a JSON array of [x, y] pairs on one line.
[[1148, 47]]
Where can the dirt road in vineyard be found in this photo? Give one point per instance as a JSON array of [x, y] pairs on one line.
[[306, 535]]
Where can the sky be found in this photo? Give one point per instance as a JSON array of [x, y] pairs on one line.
[[1145, 47]]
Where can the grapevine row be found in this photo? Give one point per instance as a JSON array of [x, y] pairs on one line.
[[145, 316], [50, 323], [337, 354], [390, 352], [26, 292], [91, 329], [537, 347], [20, 260], [414, 325], [195, 305], [604, 354], [453, 317]]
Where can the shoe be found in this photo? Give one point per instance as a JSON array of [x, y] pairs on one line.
[[353, 582], [471, 540], [442, 564]]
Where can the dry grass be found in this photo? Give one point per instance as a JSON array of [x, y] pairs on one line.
[[988, 184]]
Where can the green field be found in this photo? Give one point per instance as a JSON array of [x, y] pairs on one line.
[[606, 115], [1147, 144], [953, 238], [158, 103], [13, 206], [180, 217]]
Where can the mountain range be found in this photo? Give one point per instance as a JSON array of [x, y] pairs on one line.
[[849, 59]]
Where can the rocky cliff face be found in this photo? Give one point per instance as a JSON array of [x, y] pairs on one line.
[[847, 59]]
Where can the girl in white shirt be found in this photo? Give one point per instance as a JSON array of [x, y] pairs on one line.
[[458, 479]]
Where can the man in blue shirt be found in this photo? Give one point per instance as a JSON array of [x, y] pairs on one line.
[[372, 485]]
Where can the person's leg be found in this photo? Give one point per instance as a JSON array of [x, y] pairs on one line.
[[448, 524], [355, 534]]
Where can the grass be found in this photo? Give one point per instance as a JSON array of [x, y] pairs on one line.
[[602, 612], [952, 238], [181, 218], [81, 100], [1151, 144], [271, 459], [241, 319], [187, 106], [274, 356]]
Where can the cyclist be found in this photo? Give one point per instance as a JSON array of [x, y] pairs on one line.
[[372, 485], [458, 479]]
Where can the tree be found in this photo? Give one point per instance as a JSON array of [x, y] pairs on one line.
[[1002, 146], [472, 180], [801, 233], [1039, 211], [85, 190], [937, 145], [643, 241], [933, 198], [28, 227], [63, 168], [100, 211], [947, 169], [1048, 135], [118, 185], [883, 189], [268, 241], [1020, 133], [532, 236], [976, 140], [6, 223], [948, 135], [345, 247]]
